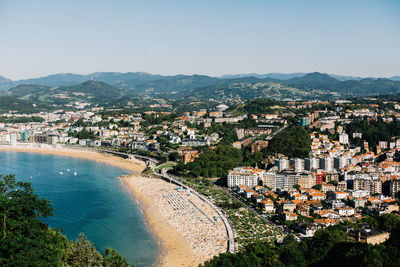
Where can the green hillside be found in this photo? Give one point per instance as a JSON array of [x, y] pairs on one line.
[[92, 92], [9, 103]]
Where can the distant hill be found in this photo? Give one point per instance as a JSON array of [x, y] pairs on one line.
[[4, 80], [93, 92], [113, 87], [312, 81], [175, 84], [315, 77], [286, 76], [27, 91], [121, 80], [345, 78], [5, 83], [260, 89], [280, 76], [9, 103], [310, 86]]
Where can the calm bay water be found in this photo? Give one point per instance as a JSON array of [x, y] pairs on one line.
[[92, 202]]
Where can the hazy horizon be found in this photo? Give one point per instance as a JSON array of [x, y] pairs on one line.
[[174, 74], [350, 38]]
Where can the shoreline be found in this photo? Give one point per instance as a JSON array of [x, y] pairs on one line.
[[132, 166], [181, 220], [174, 250]]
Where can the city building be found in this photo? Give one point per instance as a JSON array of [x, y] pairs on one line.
[[247, 176]]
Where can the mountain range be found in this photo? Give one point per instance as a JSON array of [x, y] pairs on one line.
[[143, 80], [108, 88]]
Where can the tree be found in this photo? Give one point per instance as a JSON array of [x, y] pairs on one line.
[[323, 241], [389, 222], [333, 182], [26, 240], [294, 142], [317, 186], [296, 186], [163, 158], [82, 252], [173, 156], [80, 123], [222, 158], [112, 258]]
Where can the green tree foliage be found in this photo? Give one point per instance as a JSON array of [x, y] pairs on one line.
[[373, 131], [260, 106], [8, 103], [112, 258], [293, 142], [21, 119], [224, 130], [317, 186], [82, 252], [251, 159], [84, 134], [328, 246], [152, 119], [27, 241], [173, 156], [163, 158], [80, 123], [215, 162]]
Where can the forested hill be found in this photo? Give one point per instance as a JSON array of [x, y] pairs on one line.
[[93, 92], [310, 86], [115, 86], [349, 87], [9, 103]]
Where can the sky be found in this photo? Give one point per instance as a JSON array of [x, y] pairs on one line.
[[210, 37]]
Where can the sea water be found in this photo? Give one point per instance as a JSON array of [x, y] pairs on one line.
[[88, 198]]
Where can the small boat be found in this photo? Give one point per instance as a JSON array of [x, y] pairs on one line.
[[68, 170], [61, 173], [75, 173]]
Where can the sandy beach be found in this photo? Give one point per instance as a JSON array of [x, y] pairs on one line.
[[186, 228], [130, 165], [183, 222]]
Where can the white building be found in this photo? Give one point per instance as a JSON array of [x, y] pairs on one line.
[[247, 176], [368, 182], [326, 164], [383, 144], [297, 164], [340, 162], [360, 193], [394, 187], [13, 139], [282, 164], [344, 138], [346, 211], [311, 164]]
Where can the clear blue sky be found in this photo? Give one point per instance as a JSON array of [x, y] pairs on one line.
[[204, 37]]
